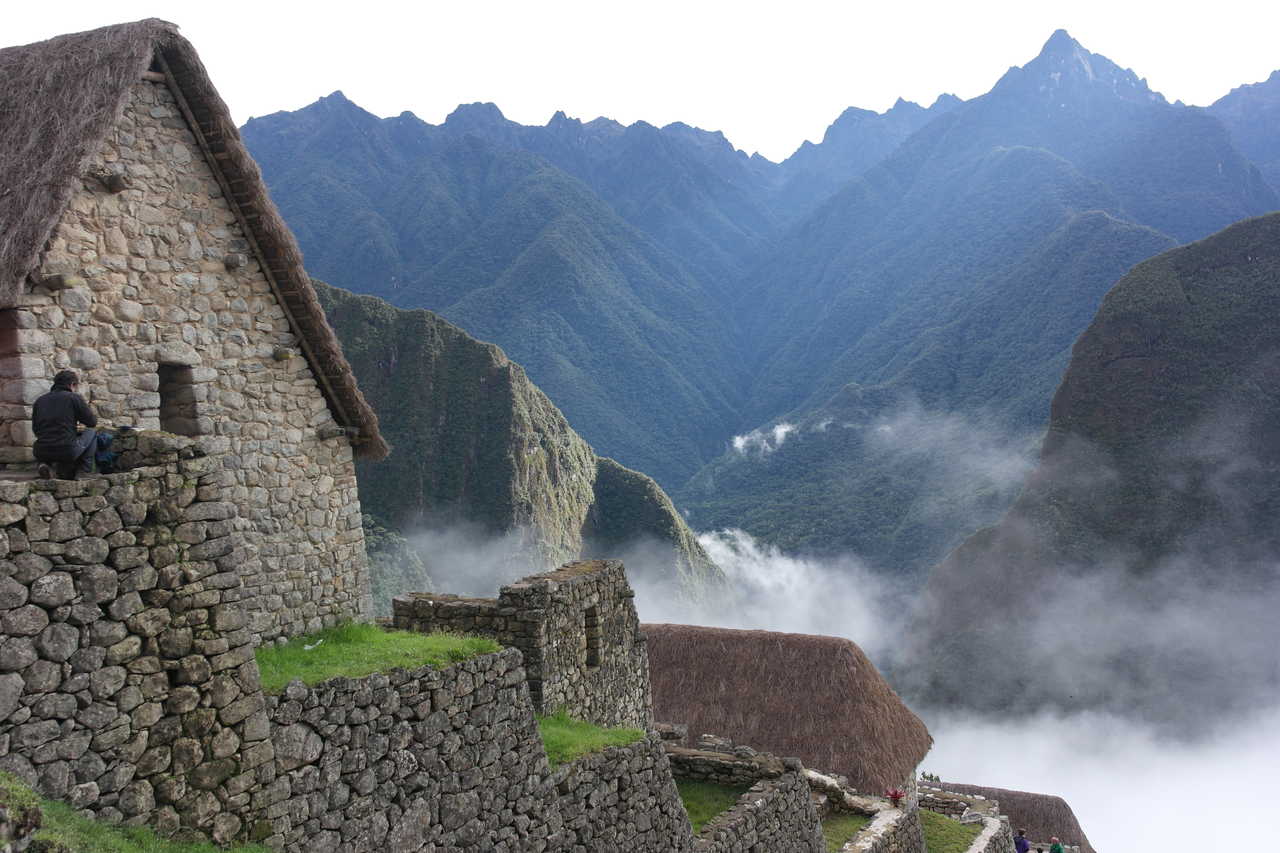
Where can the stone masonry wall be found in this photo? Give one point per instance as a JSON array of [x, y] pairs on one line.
[[577, 628], [127, 681], [623, 798], [890, 831], [774, 816], [408, 761], [161, 274]]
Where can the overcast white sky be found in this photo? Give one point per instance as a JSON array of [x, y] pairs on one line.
[[768, 74]]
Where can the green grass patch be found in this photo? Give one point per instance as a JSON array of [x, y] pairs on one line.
[[565, 738], [944, 835], [705, 800], [359, 649], [61, 824], [839, 827]]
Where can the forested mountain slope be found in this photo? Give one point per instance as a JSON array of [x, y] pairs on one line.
[[1137, 569], [670, 292], [514, 250], [954, 276], [1252, 115], [477, 447]]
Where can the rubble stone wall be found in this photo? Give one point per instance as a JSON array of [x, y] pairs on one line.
[[409, 761], [164, 311], [577, 628], [623, 798], [128, 685], [774, 816], [890, 831]]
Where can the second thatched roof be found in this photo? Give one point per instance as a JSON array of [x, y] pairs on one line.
[[819, 699], [59, 99], [1041, 815]]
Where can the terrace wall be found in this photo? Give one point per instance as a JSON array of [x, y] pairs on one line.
[[890, 831], [774, 816], [577, 628], [128, 685], [623, 798], [407, 761]]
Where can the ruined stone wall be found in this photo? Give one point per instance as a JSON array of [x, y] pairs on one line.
[[577, 628], [409, 761], [172, 324], [127, 680], [774, 816], [890, 831], [623, 798]]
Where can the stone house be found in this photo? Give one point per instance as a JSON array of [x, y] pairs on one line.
[[139, 247]]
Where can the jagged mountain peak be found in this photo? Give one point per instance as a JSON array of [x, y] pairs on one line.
[[1065, 66], [478, 115]]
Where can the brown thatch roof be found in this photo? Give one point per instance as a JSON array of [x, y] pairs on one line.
[[816, 698], [1041, 815], [58, 101]]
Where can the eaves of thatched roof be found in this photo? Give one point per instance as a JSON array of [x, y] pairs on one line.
[[58, 101], [819, 699], [1041, 815]]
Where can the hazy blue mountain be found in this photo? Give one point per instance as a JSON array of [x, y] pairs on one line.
[[514, 250], [668, 291], [954, 276], [856, 141], [1252, 115]]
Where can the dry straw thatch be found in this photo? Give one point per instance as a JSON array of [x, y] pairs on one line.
[[1041, 815], [60, 98], [816, 698]]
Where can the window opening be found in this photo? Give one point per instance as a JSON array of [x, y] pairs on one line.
[[177, 400], [591, 624]]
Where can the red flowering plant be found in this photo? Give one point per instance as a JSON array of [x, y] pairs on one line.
[[895, 796]]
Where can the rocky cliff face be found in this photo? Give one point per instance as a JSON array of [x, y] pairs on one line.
[[477, 446], [1147, 535]]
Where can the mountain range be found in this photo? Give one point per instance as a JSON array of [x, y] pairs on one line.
[[745, 331]]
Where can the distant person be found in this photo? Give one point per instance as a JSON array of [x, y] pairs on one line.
[[54, 418], [1055, 846], [1021, 844]]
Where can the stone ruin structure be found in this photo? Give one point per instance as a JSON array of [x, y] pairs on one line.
[[140, 248]]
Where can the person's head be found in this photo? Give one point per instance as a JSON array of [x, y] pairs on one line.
[[1054, 840], [67, 378], [1021, 833]]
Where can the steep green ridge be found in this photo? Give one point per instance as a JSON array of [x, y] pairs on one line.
[[475, 444], [1128, 572], [514, 250]]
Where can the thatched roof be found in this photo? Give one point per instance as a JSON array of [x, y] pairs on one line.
[[1041, 815], [816, 698], [58, 101]]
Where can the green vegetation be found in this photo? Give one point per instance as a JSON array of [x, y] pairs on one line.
[[705, 800], [839, 827], [62, 825], [944, 835], [358, 649], [565, 738]]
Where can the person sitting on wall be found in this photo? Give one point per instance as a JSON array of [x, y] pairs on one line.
[[54, 418]]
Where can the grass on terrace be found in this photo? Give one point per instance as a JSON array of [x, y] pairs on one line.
[[839, 827], [565, 738], [61, 824], [358, 649], [706, 800], [944, 835]]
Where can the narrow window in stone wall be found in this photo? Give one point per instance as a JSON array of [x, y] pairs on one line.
[[177, 400], [591, 624]]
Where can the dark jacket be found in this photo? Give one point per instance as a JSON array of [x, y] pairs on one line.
[[1021, 844], [54, 418]]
